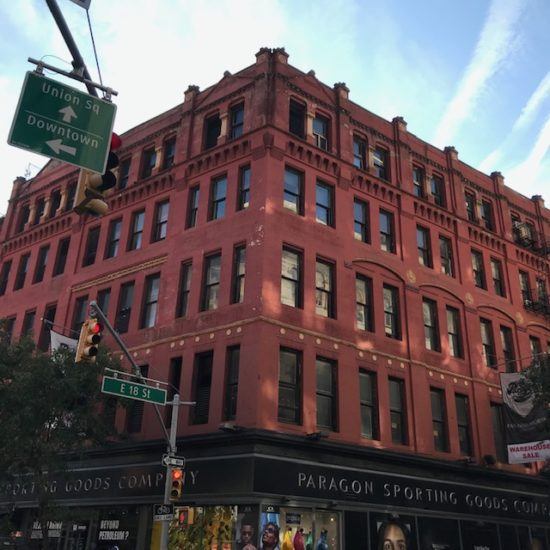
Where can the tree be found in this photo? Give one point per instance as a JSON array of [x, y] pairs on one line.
[[538, 375], [51, 411]]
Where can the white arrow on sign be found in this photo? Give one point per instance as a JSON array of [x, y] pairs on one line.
[[57, 145], [68, 113]]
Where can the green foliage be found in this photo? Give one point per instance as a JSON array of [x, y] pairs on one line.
[[51, 411], [538, 374]]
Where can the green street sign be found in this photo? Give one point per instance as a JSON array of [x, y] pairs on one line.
[[132, 390], [61, 122]]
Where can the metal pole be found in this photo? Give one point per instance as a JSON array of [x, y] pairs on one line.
[[172, 451], [105, 321], [78, 62]]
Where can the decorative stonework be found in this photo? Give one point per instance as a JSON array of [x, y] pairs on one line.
[[121, 273], [469, 298], [519, 318], [411, 277]]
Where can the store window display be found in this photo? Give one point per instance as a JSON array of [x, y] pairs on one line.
[[392, 532]]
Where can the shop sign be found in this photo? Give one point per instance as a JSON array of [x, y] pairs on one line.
[[312, 481], [163, 512], [111, 530], [293, 518]]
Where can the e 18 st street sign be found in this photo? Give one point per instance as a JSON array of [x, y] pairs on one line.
[[61, 122], [132, 390]]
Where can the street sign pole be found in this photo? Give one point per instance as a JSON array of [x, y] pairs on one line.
[[172, 450]]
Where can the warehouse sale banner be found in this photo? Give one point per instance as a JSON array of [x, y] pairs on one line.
[[525, 421]]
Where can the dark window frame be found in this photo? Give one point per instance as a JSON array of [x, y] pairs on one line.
[[470, 201], [438, 190], [329, 395], [419, 183], [297, 118], [135, 237], [150, 301], [360, 149], [368, 405], [478, 269], [236, 120], [212, 130], [432, 340], [454, 336], [488, 350], [322, 137], [291, 387], [123, 173], [387, 237], [79, 314], [218, 198], [22, 270], [192, 206], [202, 387], [160, 221], [439, 419], [361, 220], [398, 411], [231, 385], [463, 417], [92, 246], [4, 276], [446, 256], [508, 348], [497, 274], [61, 256], [114, 234], [243, 188], [184, 288], [148, 162], [296, 196], [238, 274], [41, 264], [124, 308], [381, 162], [364, 310], [210, 289], [168, 152], [324, 209], [424, 246], [296, 282], [327, 290], [392, 329]]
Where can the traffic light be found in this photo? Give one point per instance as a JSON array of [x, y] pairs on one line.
[[92, 186], [185, 516], [90, 336], [177, 484]]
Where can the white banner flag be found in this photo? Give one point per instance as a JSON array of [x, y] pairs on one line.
[[59, 341]]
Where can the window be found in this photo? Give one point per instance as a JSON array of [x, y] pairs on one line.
[[4, 275], [211, 282], [113, 238], [418, 182], [160, 225], [439, 420], [297, 119], [498, 432], [324, 198], [368, 399], [431, 328], [463, 420], [218, 192], [61, 256], [169, 153], [392, 321], [363, 303], [291, 278], [45, 327], [90, 250], [380, 163], [243, 191], [192, 207], [237, 284], [28, 323], [212, 129], [326, 393], [134, 415], [387, 232], [55, 202], [22, 271], [202, 382], [79, 313], [397, 411], [123, 173], [124, 309], [24, 214], [438, 190], [290, 392], [454, 332], [324, 289], [103, 299], [231, 382], [359, 152], [184, 288], [136, 230], [488, 343], [424, 246], [236, 115], [148, 162], [446, 256], [41, 263], [535, 346], [542, 295], [525, 288], [487, 215], [71, 194], [361, 221], [320, 132], [498, 278], [470, 201], [39, 210], [293, 192], [8, 328], [174, 381], [507, 343], [150, 301], [478, 269], [516, 224]]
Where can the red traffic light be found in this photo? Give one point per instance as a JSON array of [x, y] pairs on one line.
[[95, 327], [116, 142], [177, 474]]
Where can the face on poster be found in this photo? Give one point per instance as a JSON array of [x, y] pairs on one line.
[[270, 528], [246, 528], [392, 532]]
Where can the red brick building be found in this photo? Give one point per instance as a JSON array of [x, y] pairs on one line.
[[337, 295]]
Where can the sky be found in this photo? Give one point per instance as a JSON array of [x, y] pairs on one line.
[[473, 74]]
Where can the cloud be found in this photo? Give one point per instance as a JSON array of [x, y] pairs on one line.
[[528, 176], [498, 39], [529, 111]]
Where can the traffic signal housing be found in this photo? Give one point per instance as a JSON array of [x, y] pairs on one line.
[[92, 186], [177, 484], [88, 342]]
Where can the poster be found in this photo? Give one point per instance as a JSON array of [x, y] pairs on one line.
[[526, 426], [392, 531]]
